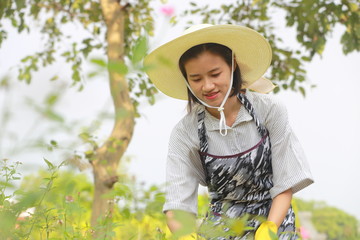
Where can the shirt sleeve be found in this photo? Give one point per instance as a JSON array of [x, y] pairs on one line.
[[182, 180], [290, 167]]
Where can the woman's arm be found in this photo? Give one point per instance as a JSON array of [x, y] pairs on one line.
[[173, 225], [278, 211], [280, 207]]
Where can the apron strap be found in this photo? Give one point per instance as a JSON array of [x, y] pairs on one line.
[[203, 143], [202, 132], [249, 107]]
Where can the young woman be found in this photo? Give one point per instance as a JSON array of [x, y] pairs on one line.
[[234, 140]]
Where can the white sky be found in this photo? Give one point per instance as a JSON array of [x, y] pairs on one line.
[[326, 121]]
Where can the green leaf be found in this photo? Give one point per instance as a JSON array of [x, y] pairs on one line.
[[3, 6], [357, 30], [85, 136], [89, 154], [81, 87], [273, 235], [4, 184], [64, 19], [49, 164], [173, 20], [302, 90], [3, 34], [99, 62], [25, 59], [4, 82], [20, 4], [54, 78], [14, 22], [140, 50], [51, 99], [118, 67], [53, 115], [88, 47], [292, 84], [306, 59], [53, 143], [66, 54], [353, 7], [93, 74]]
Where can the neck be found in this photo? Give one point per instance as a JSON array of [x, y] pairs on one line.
[[231, 109]]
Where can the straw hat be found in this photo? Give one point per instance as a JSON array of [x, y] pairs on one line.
[[252, 52]]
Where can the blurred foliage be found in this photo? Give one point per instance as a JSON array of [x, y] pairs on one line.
[[55, 203], [314, 21], [59, 19], [73, 30], [335, 223]]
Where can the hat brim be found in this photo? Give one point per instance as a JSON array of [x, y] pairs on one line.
[[252, 51]]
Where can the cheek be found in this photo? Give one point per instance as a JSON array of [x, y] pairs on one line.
[[194, 85]]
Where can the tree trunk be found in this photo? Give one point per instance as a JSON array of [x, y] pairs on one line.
[[107, 157]]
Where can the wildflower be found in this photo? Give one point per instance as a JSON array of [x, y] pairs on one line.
[[304, 233], [60, 222], [167, 10], [69, 199]]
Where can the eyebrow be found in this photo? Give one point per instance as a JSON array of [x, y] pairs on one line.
[[196, 75]]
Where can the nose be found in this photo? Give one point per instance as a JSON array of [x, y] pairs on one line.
[[208, 85]]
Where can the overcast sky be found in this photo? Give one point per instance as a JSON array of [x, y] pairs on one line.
[[326, 121]]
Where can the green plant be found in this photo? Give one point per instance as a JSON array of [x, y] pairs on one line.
[[333, 222], [56, 204]]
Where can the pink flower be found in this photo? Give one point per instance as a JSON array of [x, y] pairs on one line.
[[69, 199], [167, 10], [304, 233]]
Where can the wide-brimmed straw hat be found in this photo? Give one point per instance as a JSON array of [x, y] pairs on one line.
[[251, 49]]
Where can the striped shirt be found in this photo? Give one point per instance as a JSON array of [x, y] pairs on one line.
[[184, 171]]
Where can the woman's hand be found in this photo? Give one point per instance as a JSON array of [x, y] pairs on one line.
[[180, 221], [266, 231], [279, 208]]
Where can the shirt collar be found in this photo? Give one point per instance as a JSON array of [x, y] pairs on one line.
[[212, 123]]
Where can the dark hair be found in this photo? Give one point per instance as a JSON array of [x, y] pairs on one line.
[[217, 49]]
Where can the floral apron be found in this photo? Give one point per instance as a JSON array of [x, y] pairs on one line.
[[239, 185]]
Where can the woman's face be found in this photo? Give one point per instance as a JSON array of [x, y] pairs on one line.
[[209, 77]]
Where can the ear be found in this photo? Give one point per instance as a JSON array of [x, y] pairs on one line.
[[234, 63]]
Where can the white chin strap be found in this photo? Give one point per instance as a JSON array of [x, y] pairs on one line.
[[222, 122]]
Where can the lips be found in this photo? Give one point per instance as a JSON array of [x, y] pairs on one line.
[[211, 96]]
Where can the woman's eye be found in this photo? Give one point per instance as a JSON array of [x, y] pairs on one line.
[[195, 79], [216, 75]]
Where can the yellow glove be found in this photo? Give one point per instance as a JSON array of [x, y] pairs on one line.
[[192, 236], [263, 232]]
